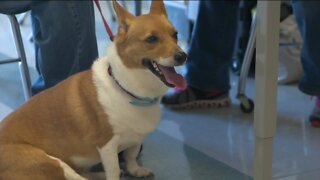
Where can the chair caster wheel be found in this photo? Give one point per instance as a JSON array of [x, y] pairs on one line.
[[247, 106]]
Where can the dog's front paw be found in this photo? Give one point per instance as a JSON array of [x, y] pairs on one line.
[[140, 172]]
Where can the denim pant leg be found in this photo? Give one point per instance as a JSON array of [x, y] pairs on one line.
[[212, 45], [307, 14], [16, 7], [65, 40]]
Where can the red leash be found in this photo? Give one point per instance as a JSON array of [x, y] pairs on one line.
[[108, 29]]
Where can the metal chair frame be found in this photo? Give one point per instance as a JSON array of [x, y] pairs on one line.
[[21, 59]]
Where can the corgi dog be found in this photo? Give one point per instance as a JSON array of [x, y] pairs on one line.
[[93, 115]]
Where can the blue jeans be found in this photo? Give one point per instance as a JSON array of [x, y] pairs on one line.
[[213, 42], [212, 45], [307, 14], [64, 38]]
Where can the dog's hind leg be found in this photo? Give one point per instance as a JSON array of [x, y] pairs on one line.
[[69, 173], [22, 161]]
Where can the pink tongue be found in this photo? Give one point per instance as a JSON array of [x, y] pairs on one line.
[[173, 78]]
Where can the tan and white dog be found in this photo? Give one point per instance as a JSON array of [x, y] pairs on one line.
[[94, 115]]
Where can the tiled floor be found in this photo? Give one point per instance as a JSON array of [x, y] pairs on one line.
[[205, 144]]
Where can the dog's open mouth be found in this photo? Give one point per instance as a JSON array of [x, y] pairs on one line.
[[167, 75]]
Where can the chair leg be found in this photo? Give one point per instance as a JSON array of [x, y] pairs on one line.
[[247, 58], [246, 104], [24, 71]]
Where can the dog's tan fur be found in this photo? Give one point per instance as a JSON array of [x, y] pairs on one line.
[[72, 103]]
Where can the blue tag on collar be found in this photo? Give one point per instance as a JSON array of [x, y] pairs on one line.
[[145, 102]]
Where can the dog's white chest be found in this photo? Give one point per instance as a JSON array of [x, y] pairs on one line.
[[132, 123], [127, 121], [134, 120], [128, 139]]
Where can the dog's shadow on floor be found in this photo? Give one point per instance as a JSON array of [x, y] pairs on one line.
[[97, 172], [101, 176]]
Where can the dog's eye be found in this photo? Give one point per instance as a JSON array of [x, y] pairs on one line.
[[175, 35], [152, 39]]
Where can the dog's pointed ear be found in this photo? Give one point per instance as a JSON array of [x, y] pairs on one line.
[[123, 16], [157, 7]]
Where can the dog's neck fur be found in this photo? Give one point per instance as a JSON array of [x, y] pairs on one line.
[[140, 82]]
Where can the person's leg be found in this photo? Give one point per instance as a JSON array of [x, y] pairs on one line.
[[16, 7], [210, 53], [212, 45], [65, 40], [307, 14], [315, 115]]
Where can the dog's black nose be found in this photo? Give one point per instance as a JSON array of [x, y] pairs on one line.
[[180, 57]]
